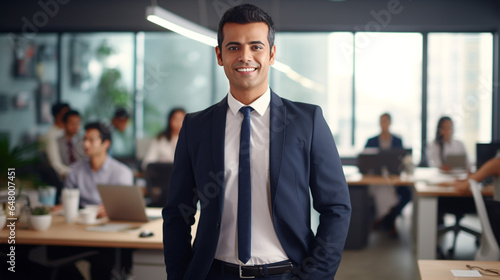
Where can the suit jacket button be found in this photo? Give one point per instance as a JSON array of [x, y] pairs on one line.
[[217, 225]]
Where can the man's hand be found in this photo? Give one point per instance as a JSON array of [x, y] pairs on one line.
[[461, 185]]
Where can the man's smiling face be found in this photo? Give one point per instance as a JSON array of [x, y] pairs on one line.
[[246, 56]]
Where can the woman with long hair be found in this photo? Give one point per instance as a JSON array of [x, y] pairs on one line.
[[444, 145], [162, 148]]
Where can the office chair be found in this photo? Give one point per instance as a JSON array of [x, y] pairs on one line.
[[489, 249], [458, 207], [39, 256], [157, 182]]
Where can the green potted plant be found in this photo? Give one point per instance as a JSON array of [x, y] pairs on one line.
[[19, 158], [40, 218]]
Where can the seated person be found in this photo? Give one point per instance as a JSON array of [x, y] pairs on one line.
[[162, 149], [86, 174], [98, 168], [385, 141], [443, 145], [70, 145], [49, 139]]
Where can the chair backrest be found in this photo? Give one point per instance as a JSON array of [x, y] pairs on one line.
[[489, 249], [158, 182]]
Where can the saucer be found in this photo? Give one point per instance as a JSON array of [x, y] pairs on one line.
[[97, 221]]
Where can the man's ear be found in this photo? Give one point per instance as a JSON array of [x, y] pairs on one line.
[[273, 54], [219, 55], [106, 144]]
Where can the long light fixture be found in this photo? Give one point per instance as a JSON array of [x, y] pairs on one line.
[[189, 29]]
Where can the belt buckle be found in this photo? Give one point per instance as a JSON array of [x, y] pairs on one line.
[[241, 274]]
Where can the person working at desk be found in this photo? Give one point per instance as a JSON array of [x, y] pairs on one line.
[[252, 160], [385, 141], [99, 168], [162, 149], [123, 139], [444, 145]]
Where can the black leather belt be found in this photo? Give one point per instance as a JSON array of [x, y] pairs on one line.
[[252, 271]]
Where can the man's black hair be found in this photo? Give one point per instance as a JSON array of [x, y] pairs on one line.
[[69, 114], [246, 13], [121, 113], [104, 130], [56, 108]]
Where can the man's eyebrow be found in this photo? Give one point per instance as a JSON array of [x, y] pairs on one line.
[[233, 43], [250, 43]]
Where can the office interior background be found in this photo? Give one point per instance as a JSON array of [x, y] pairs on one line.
[[417, 60]]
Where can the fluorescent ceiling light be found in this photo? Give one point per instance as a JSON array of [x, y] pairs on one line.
[[189, 29], [182, 26]]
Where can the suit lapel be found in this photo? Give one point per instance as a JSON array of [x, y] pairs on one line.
[[217, 140], [277, 130]]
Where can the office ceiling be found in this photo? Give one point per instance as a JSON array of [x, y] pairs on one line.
[[289, 15]]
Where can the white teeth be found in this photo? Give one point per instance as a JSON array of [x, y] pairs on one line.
[[245, 69]]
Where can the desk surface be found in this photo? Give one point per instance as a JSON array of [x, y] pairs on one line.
[[63, 234], [440, 269]]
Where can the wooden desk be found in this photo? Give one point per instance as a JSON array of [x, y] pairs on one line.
[[440, 270], [62, 234], [425, 210]]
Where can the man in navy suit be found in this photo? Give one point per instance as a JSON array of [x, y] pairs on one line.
[[291, 153]]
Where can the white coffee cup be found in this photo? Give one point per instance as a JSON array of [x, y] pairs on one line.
[[89, 214], [70, 201]]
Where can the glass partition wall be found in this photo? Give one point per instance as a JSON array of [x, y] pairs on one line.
[[354, 77]]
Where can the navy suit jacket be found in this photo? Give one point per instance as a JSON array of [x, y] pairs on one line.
[[374, 142], [303, 160]]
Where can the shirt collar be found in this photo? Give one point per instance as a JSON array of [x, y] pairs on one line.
[[260, 105]]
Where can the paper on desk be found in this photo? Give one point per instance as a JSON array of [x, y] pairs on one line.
[[465, 273], [109, 227]]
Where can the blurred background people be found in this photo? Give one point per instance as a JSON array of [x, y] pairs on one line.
[[70, 145], [444, 145], [49, 139], [162, 148], [388, 205], [385, 140], [122, 134]]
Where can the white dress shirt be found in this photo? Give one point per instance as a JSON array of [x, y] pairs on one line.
[[266, 247], [160, 150], [454, 147], [52, 150]]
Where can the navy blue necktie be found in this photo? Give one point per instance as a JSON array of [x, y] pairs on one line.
[[244, 190]]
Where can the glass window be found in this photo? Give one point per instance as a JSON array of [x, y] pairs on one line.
[[388, 78], [318, 69], [178, 72], [97, 77], [460, 84]]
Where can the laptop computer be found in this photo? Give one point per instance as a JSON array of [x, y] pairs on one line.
[[458, 161], [125, 203]]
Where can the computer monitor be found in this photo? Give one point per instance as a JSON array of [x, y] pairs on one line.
[[376, 161], [485, 152]]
